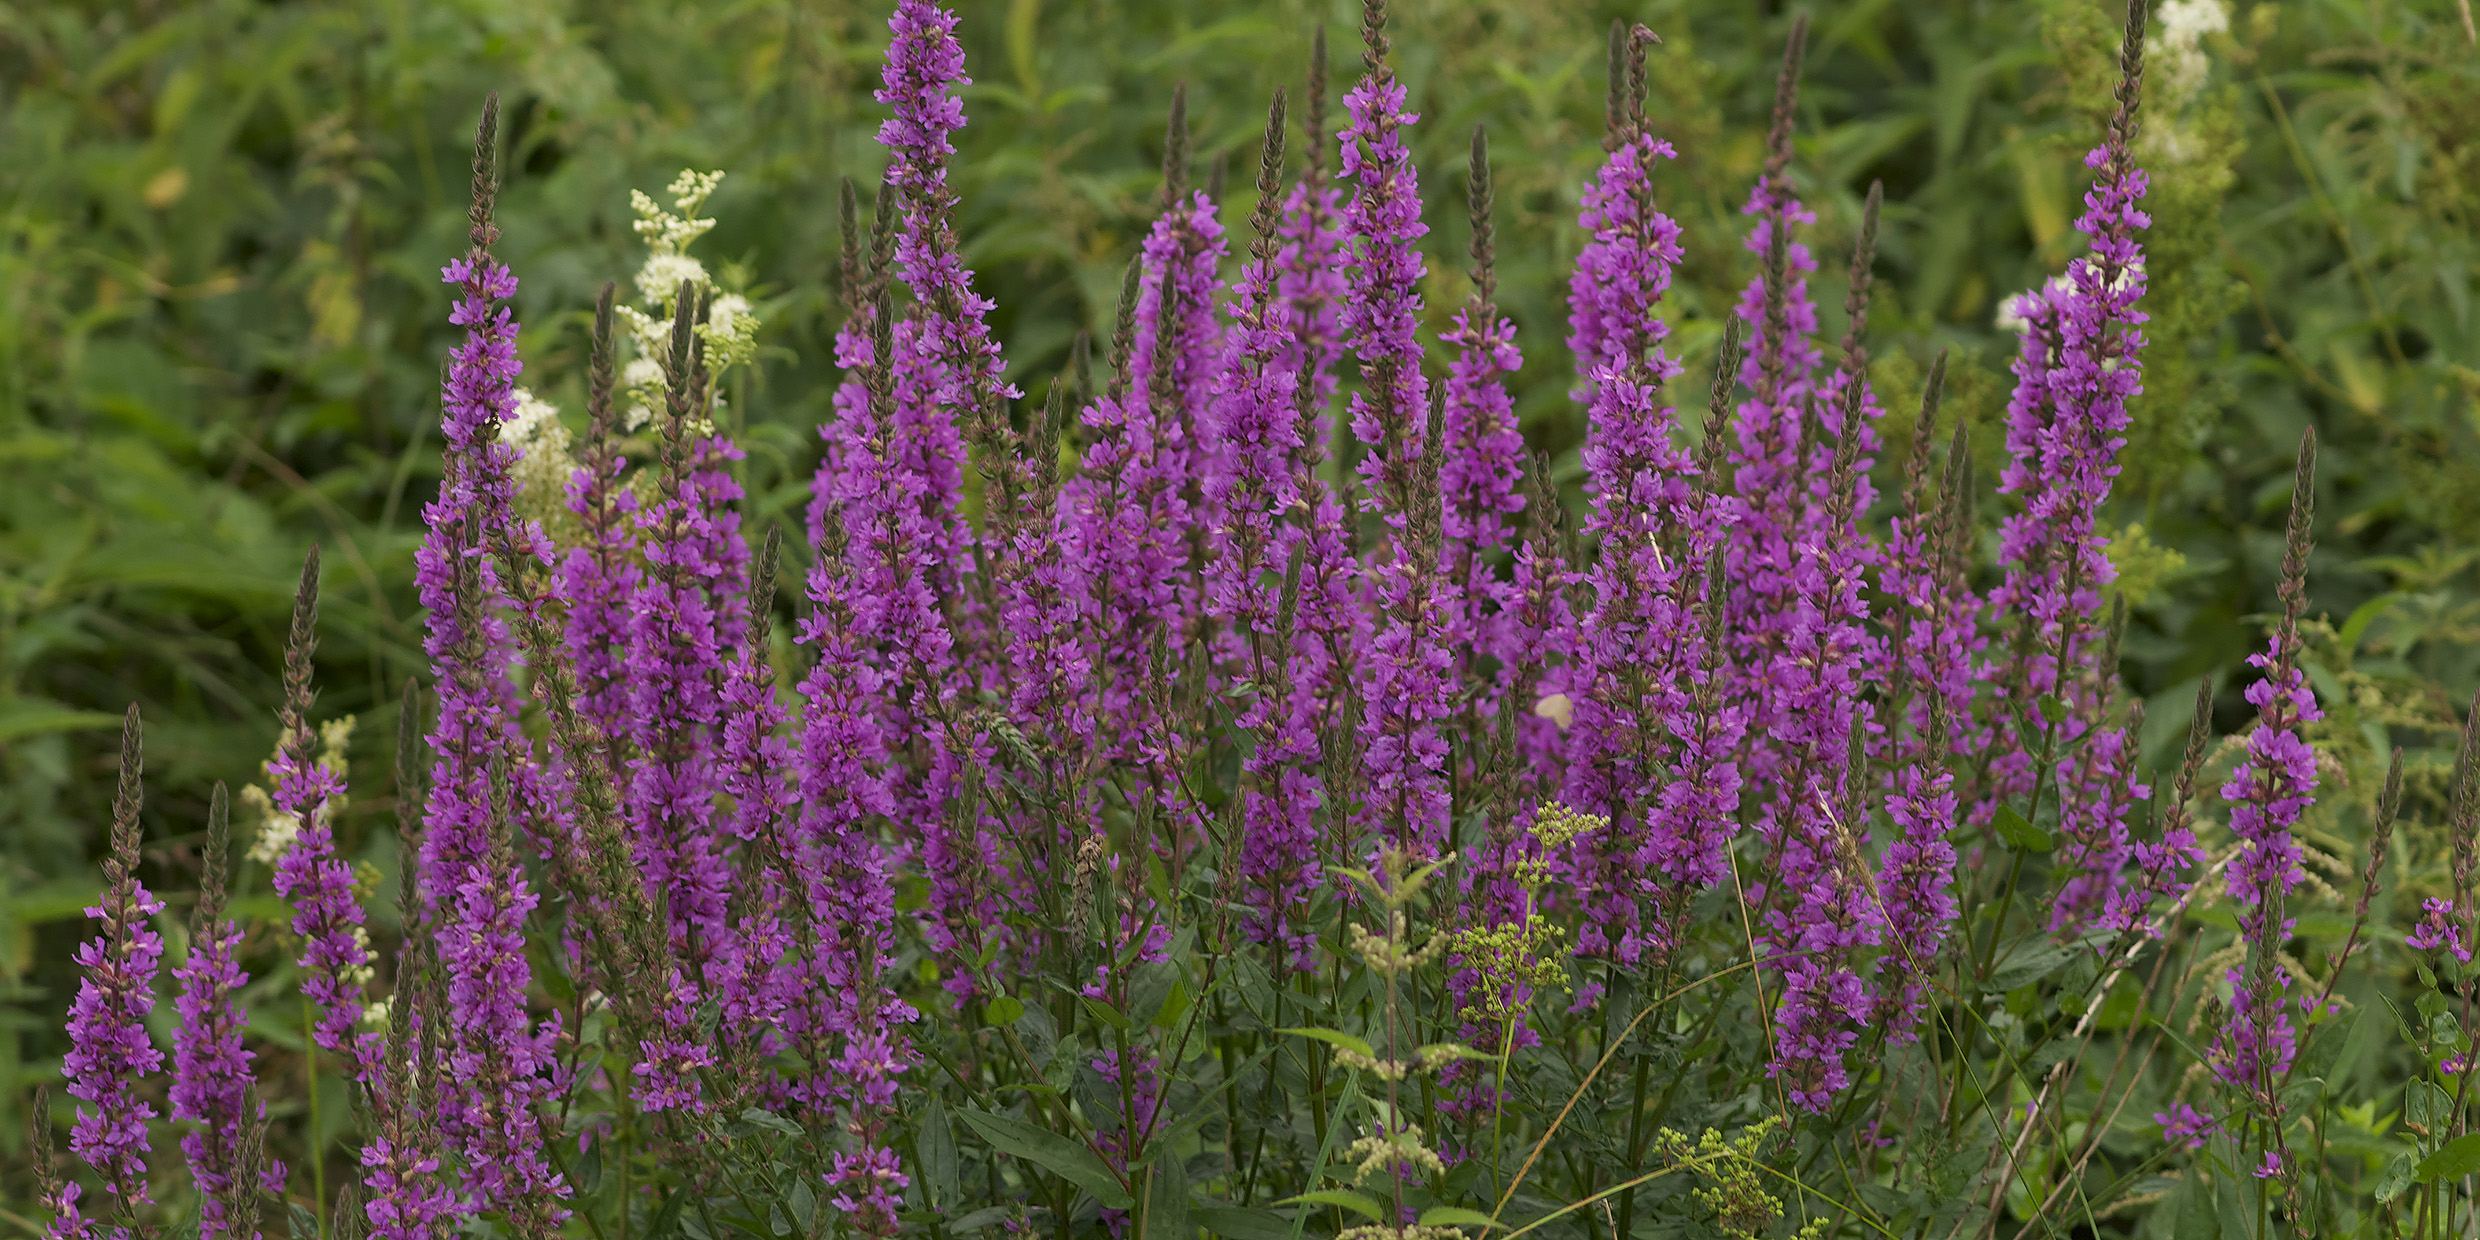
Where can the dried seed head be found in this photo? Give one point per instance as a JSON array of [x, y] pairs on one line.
[[2122, 132], [1124, 328], [211, 876], [1484, 231], [1175, 150], [1313, 119], [482, 232]]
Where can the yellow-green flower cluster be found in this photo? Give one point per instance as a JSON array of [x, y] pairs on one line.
[[1736, 1190], [1511, 960]]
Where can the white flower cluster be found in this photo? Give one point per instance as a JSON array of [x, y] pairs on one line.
[[2182, 67], [276, 829], [543, 463], [730, 330]]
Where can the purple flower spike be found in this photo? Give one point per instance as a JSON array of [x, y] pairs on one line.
[[2081, 360], [327, 917], [2268, 792], [1650, 744], [110, 1055], [211, 1075], [689, 609], [1481, 462], [486, 776], [1405, 676]]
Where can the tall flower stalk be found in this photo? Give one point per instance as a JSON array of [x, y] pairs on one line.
[[110, 1054], [2267, 793], [212, 1080]]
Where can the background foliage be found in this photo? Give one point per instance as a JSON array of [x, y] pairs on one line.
[[220, 224]]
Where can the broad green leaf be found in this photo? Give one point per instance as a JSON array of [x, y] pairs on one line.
[[760, 1117], [1174, 1005], [2452, 1161], [1105, 1014], [1360, 1203], [1455, 1216], [1004, 1010], [2399, 1175], [590, 1168], [936, 1143], [1068, 1159], [1233, 1223], [1336, 1037], [2325, 1044], [2018, 832], [1166, 1199], [804, 1205], [2364, 615], [2031, 964]]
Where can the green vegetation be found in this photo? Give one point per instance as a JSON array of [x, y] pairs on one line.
[[220, 322]]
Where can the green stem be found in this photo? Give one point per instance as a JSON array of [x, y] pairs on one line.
[[318, 1161]]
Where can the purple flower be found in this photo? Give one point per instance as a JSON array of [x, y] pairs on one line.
[[1256, 493], [688, 609], [2437, 930], [1405, 675], [486, 778], [2184, 1125], [1652, 743], [2080, 362], [211, 1075], [327, 918], [2268, 792], [110, 1056]]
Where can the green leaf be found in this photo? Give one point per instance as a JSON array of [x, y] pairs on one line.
[[1361, 1203], [667, 1220], [1233, 1223], [1106, 1014], [2397, 1177], [804, 1205], [1004, 1010], [1336, 1037], [2364, 615], [2325, 1044], [2052, 708], [2023, 968], [590, 1168], [29, 716], [1166, 1199], [760, 1117], [1256, 987], [2018, 832], [1149, 991], [1067, 1159], [935, 1142], [305, 1223], [1174, 1005], [1455, 1216], [2196, 1218], [2452, 1161]]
